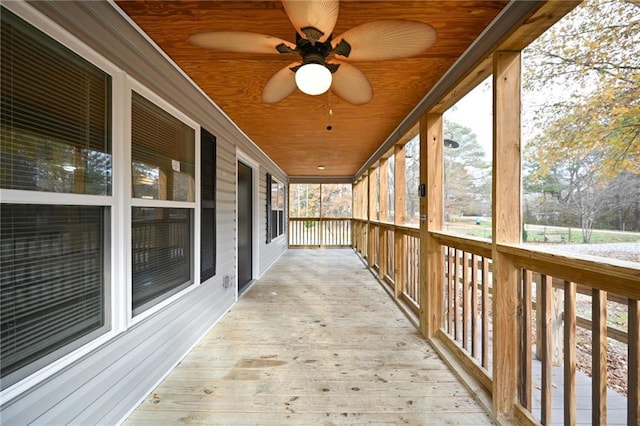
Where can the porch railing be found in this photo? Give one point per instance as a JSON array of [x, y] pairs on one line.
[[467, 306], [393, 251], [320, 232], [578, 320]]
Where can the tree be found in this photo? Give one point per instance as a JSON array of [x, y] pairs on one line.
[[582, 84], [467, 173], [588, 66]]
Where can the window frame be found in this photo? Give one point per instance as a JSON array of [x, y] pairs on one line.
[[58, 359], [164, 300], [279, 227]]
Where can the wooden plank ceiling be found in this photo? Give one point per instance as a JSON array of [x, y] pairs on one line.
[[294, 131]]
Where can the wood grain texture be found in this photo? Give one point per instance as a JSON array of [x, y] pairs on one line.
[[432, 206], [293, 132], [507, 221], [290, 353]]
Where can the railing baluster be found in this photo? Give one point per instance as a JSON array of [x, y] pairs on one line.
[[451, 282], [599, 358], [456, 299], [466, 301], [474, 304], [525, 333], [633, 399], [545, 300], [569, 353], [485, 313]]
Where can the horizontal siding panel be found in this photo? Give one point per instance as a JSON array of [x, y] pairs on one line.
[[107, 384]]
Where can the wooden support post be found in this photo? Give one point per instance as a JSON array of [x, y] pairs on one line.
[[507, 219], [384, 189], [431, 219], [371, 249], [399, 183], [383, 185], [399, 248]]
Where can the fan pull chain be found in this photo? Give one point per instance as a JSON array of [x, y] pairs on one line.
[[330, 112]]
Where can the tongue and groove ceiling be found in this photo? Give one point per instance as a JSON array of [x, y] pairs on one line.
[[293, 132]]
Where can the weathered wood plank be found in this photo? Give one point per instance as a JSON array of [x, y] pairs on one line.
[[155, 418], [301, 347]]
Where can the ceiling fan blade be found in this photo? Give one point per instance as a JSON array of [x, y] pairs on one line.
[[239, 41], [350, 84], [318, 14], [389, 39], [281, 85]]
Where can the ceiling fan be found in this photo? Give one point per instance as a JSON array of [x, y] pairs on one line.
[[324, 59]]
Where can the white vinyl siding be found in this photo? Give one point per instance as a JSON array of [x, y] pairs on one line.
[[103, 380]]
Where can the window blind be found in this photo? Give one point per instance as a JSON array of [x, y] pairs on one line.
[[162, 152], [55, 118], [161, 254], [52, 279]]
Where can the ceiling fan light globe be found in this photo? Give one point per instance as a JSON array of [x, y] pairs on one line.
[[313, 79]]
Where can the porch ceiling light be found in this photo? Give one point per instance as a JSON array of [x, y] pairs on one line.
[[313, 79], [450, 143]]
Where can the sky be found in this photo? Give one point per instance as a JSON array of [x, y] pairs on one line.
[[475, 111]]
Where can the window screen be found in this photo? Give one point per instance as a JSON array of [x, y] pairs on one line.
[[55, 115]]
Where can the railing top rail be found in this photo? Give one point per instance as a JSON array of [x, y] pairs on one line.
[[475, 245], [611, 275], [320, 218]]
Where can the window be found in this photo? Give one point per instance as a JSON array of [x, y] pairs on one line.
[[56, 138], [162, 154], [163, 171], [275, 209], [208, 205], [161, 247]]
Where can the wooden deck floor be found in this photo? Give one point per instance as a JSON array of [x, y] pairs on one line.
[[315, 341]]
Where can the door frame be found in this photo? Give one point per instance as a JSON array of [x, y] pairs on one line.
[[255, 181]]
